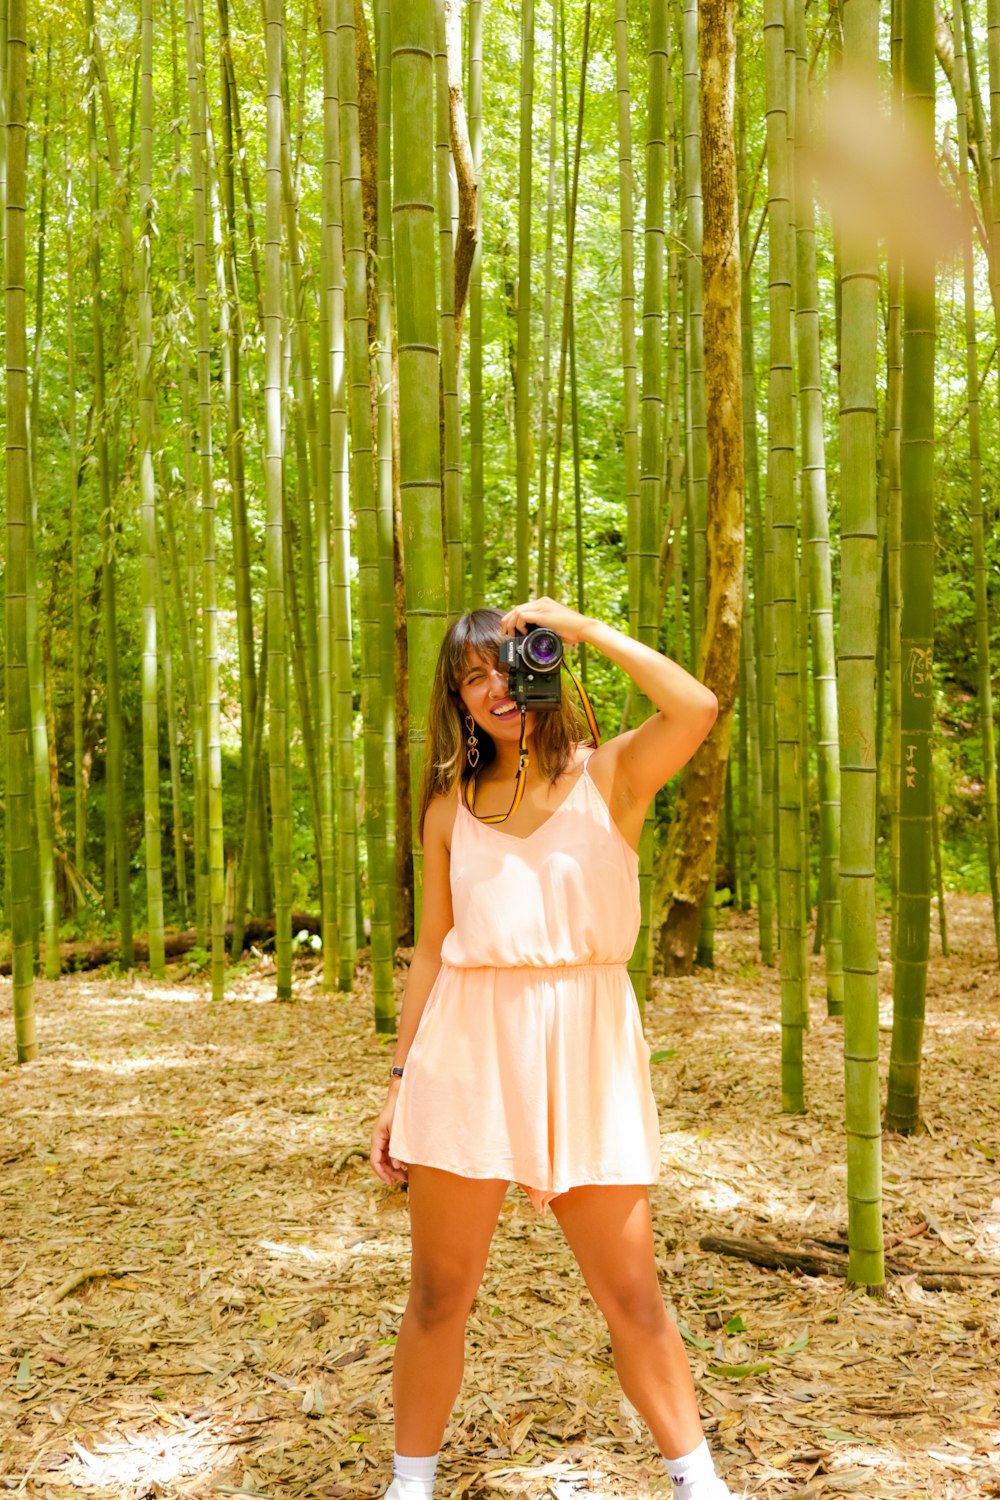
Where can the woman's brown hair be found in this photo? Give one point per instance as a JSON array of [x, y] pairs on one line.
[[557, 731]]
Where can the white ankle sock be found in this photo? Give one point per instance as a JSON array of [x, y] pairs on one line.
[[691, 1471], [414, 1477]]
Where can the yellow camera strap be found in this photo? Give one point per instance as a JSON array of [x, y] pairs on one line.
[[469, 789], [587, 708]]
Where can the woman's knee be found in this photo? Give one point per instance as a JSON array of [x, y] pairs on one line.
[[633, 1305], [441, 1294]]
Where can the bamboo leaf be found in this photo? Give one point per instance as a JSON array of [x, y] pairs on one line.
[[799, 1344], [693, 1339], [738, 1372]]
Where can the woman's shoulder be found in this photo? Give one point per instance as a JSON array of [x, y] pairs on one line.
[[601, 764], [439, 820]]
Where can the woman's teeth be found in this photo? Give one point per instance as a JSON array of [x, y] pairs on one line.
[[504, 711]]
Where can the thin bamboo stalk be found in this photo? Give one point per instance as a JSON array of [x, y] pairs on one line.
[[856, 663], [150, 720], [784, 527], [17, 696], [342, 705], [43, 800], [522, 421], [173, 743], [630, 360], [451, 466], [392, 659], [281, 825], [210, 609], [572, 190], [380, 868], [116, 835], [550, 202], [916, 627], [984, 674], [477, 591], [79, 782]]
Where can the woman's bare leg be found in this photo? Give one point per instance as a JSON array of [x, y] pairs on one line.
[[452, 1220], [610, 1231]]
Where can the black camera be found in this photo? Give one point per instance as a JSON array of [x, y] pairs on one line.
[[532, 661]]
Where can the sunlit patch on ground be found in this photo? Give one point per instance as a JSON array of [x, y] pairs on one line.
[[201, 1282]]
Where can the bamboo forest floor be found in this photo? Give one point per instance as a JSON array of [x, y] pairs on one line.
[[199, 1285]]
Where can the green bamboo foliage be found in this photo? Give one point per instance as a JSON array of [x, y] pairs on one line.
[[281, 821], [522, 418], [19, 784], [210, 613], [856, 666], [420, 479], [380, 870], [784, 528], [476, 541], [342, 706], [150, 723], [817, 547], [916, 568]]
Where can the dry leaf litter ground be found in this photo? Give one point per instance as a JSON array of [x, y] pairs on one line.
[[201, 1285]]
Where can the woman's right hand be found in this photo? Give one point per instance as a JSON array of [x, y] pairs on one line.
[[386, 1168]]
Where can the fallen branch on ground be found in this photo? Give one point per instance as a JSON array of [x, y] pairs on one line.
[[77, 956], [778, 1257]]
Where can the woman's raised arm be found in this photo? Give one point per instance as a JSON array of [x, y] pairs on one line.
[[641, 760]]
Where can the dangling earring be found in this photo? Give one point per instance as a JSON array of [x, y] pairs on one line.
[[472, 744]]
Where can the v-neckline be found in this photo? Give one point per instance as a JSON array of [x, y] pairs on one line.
[[523, 838]]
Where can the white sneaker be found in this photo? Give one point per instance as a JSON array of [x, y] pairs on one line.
[[395, 1491], [705, 1489]]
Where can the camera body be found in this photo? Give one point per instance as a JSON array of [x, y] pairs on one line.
[[532, 661]]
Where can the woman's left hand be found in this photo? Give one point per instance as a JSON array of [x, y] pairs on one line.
[[567, 623]]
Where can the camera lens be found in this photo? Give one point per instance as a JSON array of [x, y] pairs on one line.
[[542, 650]]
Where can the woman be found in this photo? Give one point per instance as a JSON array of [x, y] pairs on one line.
[[520, 1054]]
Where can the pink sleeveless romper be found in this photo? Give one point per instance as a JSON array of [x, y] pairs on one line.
[[529, 1062]]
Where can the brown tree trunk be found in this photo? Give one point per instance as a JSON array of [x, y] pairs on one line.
[[368, 127], [689, 859], [465, 168]]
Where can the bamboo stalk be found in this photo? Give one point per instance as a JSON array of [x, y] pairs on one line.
[[17, 696]]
